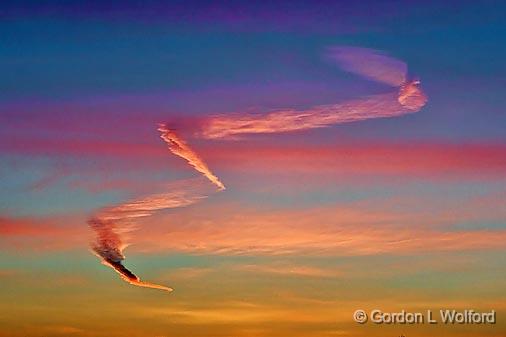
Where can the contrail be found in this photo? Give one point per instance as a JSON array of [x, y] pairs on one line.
[[407, 97], [114, 221], [109, 248], [181, 149]]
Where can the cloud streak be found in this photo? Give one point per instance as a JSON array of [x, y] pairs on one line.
[[371, 64], [420, 160], [364, 229]]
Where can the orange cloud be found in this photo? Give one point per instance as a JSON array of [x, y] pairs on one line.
[[392, 226], [325, 231], [290, 270]]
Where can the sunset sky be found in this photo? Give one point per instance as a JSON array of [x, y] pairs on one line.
[[274, 164]]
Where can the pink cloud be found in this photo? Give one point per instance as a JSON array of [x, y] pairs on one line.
[[343, 157], [80, 147], [43, 234], [428, 160]]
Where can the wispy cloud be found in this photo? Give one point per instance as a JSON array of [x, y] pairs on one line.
[[333, 231], [372, 64], [290, 270]]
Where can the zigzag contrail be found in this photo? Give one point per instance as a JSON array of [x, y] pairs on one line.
[[407, 97], [115, 220]]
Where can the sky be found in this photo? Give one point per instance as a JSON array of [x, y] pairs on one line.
[[267, 168]]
